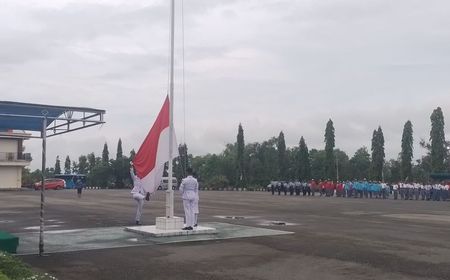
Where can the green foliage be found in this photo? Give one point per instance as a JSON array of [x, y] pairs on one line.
[[182, 163], [105, 154], [343, 170], [437, 137], [217, 182], [132, 154], [360, 164], [329, 148], [58, 165], [13, 268], [91, 162], [29, 178], [67, 164], [100, 176], [318, 159], [119, 153], [119, 167], [3, 276], [282, 159], [406, 154], [421, 171], [83, 165], [49, 173], [377, 154], [304, 164], [392, 171]]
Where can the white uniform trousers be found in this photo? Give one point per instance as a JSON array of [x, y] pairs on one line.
[[140, 203], [188, 205]]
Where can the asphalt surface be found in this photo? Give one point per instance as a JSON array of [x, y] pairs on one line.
[[334, 238]]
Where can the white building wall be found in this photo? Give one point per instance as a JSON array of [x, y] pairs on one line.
[[10, 177], [8, 145]]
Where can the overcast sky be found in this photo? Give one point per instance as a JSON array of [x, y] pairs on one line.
[[272, 65]]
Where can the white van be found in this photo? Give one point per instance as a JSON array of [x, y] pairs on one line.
[[165, 183]]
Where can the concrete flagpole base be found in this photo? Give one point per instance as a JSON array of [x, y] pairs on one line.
[[166, 227], [172, 223]]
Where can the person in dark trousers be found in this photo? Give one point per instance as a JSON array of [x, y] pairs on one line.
[[79, 186]]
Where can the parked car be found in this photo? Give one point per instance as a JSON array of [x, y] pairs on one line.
[[165, 183], [51, 184]]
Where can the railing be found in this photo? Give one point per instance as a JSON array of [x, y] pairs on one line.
[[15, 156]]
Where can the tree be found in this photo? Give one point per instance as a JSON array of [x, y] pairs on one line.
[[282, 159], [377, 154], [342, 165], [392, 171], [329, 148], [29, 178], [91, 162], [132, 154], [304, 164], [105, 154], [407, 151], [83, 165], [119, 153], [240, 157], [318, 159], [75, 168], [437, 138], [118, 167], [57, 166], [182, 163], [360, 164], [67, 165]]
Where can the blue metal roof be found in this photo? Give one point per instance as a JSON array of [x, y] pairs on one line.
[[27, 116]]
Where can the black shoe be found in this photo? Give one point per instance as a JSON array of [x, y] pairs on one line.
[[187, 228], [195, 225]]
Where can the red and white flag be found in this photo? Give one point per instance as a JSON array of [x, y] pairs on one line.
[[154, 151]]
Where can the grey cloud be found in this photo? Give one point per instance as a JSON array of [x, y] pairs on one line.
[[272, 65]]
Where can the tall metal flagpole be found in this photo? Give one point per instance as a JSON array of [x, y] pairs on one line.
[[169, 192], [44, 152]]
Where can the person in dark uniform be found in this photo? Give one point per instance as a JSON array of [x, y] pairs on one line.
[[279, 185], [79, 185], [272, 187], [291, 188]]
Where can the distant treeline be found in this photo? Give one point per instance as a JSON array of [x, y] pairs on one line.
[[256, 164]]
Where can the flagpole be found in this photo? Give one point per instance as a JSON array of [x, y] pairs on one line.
[[169, 192]]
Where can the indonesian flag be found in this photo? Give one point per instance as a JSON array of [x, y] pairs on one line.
[[154, 152]]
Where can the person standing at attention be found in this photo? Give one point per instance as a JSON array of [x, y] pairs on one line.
[[79, 186], [189, 190], [138, 194]]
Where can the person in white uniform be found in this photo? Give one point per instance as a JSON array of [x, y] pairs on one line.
[[197, 198], [189, 190], [138, 194]]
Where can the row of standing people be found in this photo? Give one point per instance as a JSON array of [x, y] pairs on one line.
[[416, 191], [362, 189]]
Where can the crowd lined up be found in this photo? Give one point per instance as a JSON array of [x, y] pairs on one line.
[[363, 189]]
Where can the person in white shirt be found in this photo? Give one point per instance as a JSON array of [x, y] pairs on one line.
[[138, 194], [395, 190], [189, 190], [196, 211]]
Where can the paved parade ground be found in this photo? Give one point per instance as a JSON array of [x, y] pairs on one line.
[[260, 237]]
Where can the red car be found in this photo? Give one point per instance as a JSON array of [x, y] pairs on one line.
[[51, 184]]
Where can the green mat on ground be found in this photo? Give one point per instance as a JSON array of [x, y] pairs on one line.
[[8, 242]]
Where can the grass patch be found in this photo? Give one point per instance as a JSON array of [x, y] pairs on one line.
[[11, 268]]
